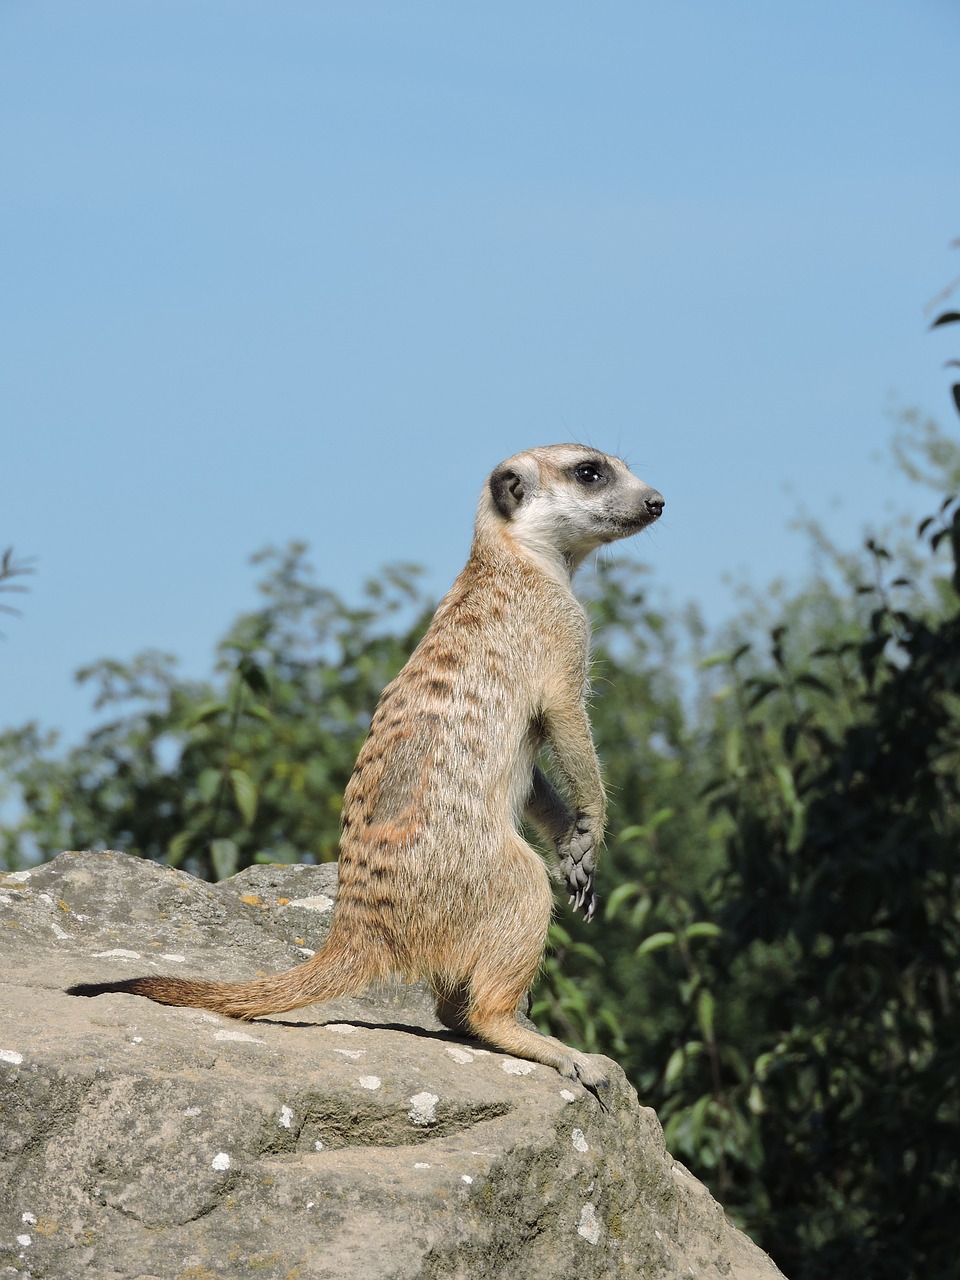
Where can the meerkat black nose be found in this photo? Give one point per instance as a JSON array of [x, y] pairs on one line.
[[654, 504]]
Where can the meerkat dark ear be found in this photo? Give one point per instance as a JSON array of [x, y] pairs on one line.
[[507, 490]]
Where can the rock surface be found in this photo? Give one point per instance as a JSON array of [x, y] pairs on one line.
[[350, 1140]]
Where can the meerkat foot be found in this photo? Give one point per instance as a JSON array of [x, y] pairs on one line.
[[503, 1031], [590, 1072]]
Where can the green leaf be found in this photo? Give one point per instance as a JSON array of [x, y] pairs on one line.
[[883, 937], [798, 829], [245, 794], [736, 1061], [631, 833], [787, 787], [762, 1065], [703, 929], [656, 942], [731, 750], [208, 780], [589, 953], [206, 711], [257, 712], [644, 830], [674, 1068], [705, 1010], [810, 681], [759, 690], [177, 848], [253, 676], [622, 893], [223, 855], [714, 660]]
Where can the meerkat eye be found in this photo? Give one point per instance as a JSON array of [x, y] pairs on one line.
[[587, 473]]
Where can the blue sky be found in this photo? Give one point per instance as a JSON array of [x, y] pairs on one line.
[[311, 270]]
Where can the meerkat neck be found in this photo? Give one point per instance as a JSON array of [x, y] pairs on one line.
[[492, 543]]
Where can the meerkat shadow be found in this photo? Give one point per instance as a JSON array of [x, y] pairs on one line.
[[406, 1028], [126, 987]]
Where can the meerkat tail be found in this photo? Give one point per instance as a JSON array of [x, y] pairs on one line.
[[325, 976]]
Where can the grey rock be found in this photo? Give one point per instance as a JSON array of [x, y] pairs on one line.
[[350, 1140]]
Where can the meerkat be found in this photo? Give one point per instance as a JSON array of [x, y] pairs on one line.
[[435, 879]]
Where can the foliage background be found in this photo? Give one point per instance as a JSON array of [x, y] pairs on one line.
[[777, 960]]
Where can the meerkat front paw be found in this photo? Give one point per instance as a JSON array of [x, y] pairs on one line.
[[577, 851]]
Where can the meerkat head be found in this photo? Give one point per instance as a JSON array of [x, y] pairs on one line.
[[565, 500]]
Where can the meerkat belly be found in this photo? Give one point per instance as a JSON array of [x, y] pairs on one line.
[[441, 772], [468, 773], [425, 825]]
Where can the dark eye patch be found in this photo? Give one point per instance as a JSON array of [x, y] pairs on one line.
[[589, 473]]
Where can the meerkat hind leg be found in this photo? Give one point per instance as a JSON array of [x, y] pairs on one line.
[[492, 1016], [453, 1004]]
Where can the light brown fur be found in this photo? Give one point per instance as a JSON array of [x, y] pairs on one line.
[[435, 880]]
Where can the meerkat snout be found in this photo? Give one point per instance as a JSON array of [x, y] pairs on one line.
[[649, 507]]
